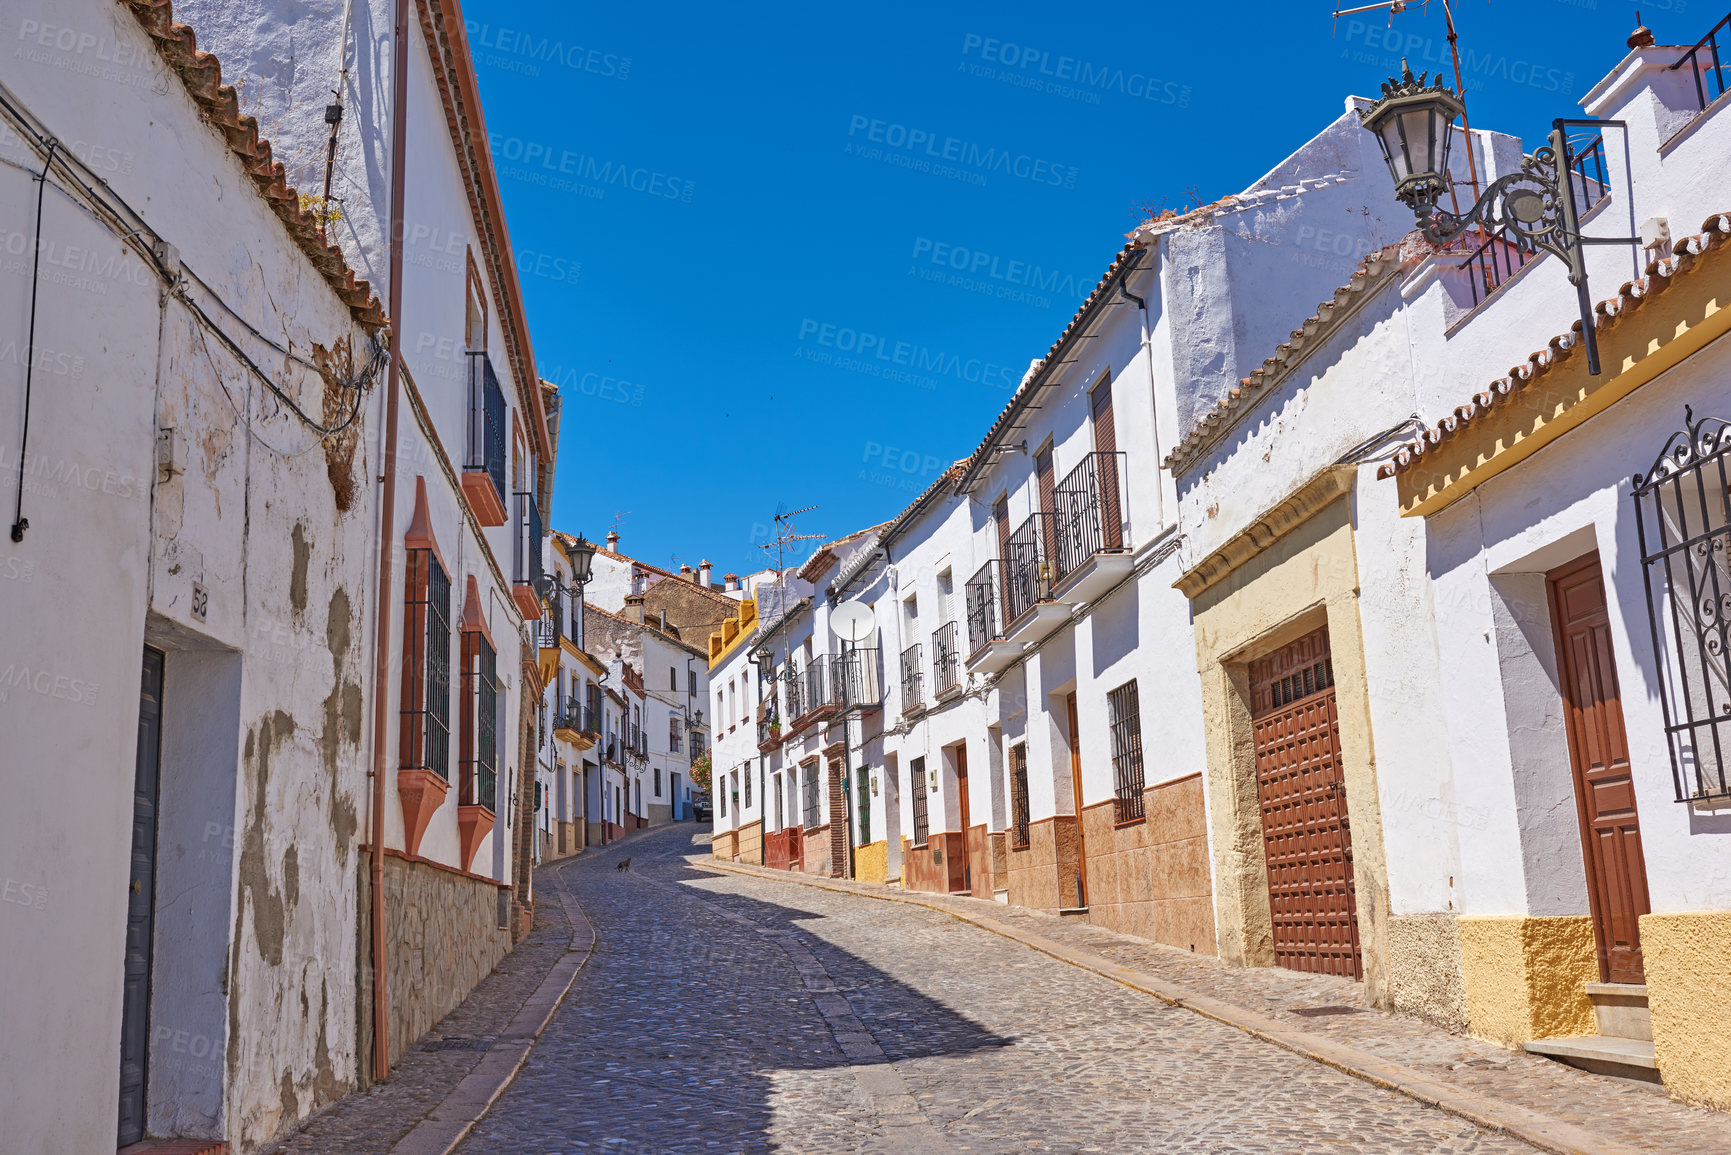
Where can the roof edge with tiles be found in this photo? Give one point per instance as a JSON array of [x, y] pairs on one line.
[[201, 74], [1688, 255], [1372, 273]]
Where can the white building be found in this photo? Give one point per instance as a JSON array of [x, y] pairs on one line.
[[212, 404]]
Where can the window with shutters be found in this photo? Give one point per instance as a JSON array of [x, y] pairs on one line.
[[1125, 718], [658, 782], [1019, 796], [917, 787], [425, 740]]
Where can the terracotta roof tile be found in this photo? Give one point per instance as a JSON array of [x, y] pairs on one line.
[[201, 74], [1688, 256]]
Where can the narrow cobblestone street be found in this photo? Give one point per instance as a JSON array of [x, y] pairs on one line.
[[735, 1013]]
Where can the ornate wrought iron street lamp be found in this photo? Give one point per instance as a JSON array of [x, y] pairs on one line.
[[582, 555], [1534, 208]]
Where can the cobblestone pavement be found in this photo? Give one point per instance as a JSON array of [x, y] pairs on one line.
[[726, 1013], [369, 1122]]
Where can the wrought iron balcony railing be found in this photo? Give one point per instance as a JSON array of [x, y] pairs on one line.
[[551, 627], [854, 678], [1030, 570], [946, 658], [1707, 63], [913, 678], [485, 451], [818, 691], [984, 599], [1088, 510], [526, 567], [793, 685]]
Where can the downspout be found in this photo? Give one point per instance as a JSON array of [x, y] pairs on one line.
[[387, 513], [1153, 405]]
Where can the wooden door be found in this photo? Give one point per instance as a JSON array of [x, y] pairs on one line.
[[1599, 757], [962, 799], [1106, 467], [1301, 791], [1076, 797], [141, 906]]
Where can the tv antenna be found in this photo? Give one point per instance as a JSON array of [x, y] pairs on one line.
[[1395, 7], [786, 534]]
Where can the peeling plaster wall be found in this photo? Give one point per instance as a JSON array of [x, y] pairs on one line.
[[253, 1003]]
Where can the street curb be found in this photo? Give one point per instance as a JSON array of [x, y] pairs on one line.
[[1532, 1127], [448, 1124]]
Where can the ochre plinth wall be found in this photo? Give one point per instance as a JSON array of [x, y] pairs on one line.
[[871, 862], [1688, 957], [1526, 978]]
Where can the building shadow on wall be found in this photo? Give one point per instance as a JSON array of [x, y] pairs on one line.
[[691, 1030]]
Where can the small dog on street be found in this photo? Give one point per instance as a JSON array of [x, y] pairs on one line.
[[625, 865]]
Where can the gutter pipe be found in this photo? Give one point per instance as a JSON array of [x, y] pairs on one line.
[[387, 524]]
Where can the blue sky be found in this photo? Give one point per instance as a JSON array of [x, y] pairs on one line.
[[715, 208]]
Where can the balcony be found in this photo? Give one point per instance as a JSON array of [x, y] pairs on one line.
[[526, 557], [768, 725], [988, 652], [913, 681], [1089, 530], [1031, 612], [854, 679], [946, 661], [551, 629], [484, 454], [576, 726]]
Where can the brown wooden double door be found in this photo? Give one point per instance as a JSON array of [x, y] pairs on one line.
[[1301, 791], [1599, 758]]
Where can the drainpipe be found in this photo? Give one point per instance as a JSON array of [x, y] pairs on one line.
[[1148, 355], [387, 511]]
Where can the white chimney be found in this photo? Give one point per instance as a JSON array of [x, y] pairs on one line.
[[703, 571], [685, 572], [613, 540], [730, 582]]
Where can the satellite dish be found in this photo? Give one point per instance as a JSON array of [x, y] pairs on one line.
[[852, 621]]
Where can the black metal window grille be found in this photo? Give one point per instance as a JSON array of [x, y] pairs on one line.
[[1707, 64], [1019, 795], [479, 780], [865, 806], [1088, 510], [425, 735], [658, 782], [526, 551], [913, 678], [811, 800], [747, 773], [486, 440], [1683, 518], [917, 787], [551, 627], [946, 657], [1302, 683], [983, 600], [1124, 714]]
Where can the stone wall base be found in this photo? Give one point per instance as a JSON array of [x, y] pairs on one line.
[[1426, 978], [1526, 977]]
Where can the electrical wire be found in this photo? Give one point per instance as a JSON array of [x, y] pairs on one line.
[[112, 210], [20, 522]]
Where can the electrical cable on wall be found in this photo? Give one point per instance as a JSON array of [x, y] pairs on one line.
[[98, 200], [20, 523]]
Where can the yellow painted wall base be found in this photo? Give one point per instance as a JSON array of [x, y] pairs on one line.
[[725, 844], [751, 843], [871, 863], [1688, 957], [1526, 978]]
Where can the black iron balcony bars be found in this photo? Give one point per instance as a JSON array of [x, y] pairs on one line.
[[1706, 64], [913, 678], [1683, 519], [486, 436], [946, 659], [526, 542]]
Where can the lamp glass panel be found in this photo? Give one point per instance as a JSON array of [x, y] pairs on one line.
[[1394, 149], [1421, 138]]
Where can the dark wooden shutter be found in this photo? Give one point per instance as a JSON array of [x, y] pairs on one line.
[[1001, 516], [1106, 467], [1105, 426], [1048, 478]]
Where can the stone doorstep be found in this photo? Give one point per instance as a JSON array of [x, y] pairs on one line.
[[1546, 1132], [176, 1147], [1621, 1010], [1620, 1058]]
